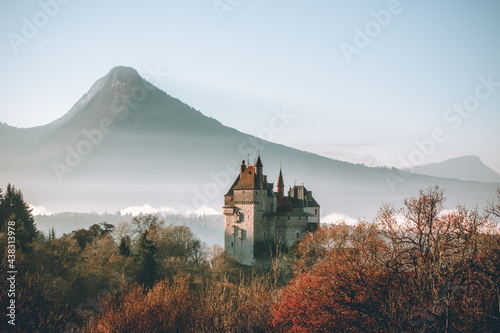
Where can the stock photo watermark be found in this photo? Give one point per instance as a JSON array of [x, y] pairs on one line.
[[11, 272], [249, 148], [92, 138], [222, 7], [453, 117], [364, 35], [31, 26]]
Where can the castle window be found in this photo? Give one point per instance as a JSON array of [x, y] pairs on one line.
[[316, 211], [232, 244], [297, 235], [265, 234], [242, 217], [243, 234], [279, 232]]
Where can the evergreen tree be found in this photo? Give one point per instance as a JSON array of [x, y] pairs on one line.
[[14, 208], [124, 246], [52, 233], [146, 252]]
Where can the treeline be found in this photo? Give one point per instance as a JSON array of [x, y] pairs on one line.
[[206, 227], [415, 269]]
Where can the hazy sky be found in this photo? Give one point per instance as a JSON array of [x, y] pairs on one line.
[[361, 81]]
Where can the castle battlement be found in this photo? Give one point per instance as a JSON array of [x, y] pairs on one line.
[[256, 216]]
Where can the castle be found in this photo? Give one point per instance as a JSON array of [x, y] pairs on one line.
[[255, 216]]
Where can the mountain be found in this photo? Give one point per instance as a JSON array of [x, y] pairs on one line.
[[463, 168], [127, 143]]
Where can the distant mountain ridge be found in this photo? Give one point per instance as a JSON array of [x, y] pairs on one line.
[[128, 143], [469, 168]]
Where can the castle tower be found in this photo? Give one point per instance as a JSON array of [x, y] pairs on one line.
[[245, 205], [255, 216]]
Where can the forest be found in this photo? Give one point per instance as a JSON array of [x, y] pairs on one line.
[[422, 267]]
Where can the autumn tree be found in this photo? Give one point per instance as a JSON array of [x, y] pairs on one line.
[[315, 247], [86, 236], [222, 266], [180, 242], [44, 280], [146, 222], [340, 285], [185, 305], [166, 307], [419, 268], [434, 254], [100, 264], [493, 207]]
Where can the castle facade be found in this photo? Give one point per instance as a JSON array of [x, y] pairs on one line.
[[255, 216]]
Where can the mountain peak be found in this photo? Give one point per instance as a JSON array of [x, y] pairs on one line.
[[119, 76], [469, 167], [127, 102], [472, 158], [123, 75], [122, 71]]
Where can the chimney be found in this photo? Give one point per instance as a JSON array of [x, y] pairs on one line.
[[243, 167]]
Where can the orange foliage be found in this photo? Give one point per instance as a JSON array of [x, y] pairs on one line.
[[165, 308], [343, 290], [417, 270]]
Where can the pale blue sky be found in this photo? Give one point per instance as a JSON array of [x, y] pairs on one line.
[[267, 55]]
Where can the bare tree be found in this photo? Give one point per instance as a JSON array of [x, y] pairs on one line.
[[493, 207], [443, 259]]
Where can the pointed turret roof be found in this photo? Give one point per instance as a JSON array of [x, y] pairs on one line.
[[259, 162], [280, 180]]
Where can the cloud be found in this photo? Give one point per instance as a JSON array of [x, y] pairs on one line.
[[146, 209], [164, 210], [39, 210], [338, 217], [205, 210]]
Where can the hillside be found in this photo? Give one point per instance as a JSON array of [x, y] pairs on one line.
[[463, 168], [127, 143]]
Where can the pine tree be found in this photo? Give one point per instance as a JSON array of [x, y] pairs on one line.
[[124, 246], [14, 208], [52, 233], [147, 250]]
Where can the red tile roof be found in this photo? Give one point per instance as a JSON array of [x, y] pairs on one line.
[[248, 179]]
